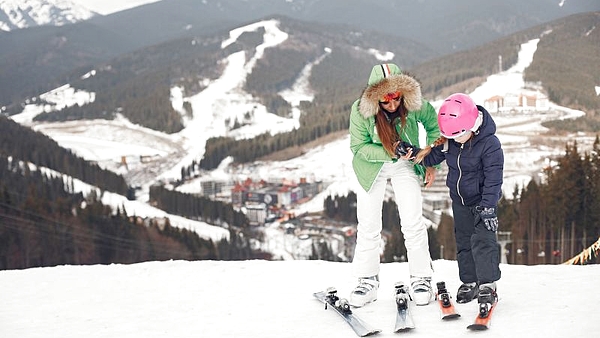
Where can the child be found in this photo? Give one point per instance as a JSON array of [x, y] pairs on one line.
[[475, 168]]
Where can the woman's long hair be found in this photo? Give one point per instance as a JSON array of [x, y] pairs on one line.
[[387, 129], [425, 151]]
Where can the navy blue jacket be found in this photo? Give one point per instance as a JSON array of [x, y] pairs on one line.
[[475, 169]]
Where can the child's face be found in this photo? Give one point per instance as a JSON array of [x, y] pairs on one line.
[[464, 137]]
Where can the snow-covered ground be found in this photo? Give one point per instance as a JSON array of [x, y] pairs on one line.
[[274, 299]]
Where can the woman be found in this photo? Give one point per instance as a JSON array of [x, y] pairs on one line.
[[387, 112]]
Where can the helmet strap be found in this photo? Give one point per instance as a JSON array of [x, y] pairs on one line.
[[477, 124]]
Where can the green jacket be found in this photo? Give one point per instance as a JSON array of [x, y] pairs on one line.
[[369, 154]]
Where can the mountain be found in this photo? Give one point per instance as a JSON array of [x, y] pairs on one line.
[[40, 60], [139, 84], [154, 69], [20, 14], [274, 299], [444, 26]]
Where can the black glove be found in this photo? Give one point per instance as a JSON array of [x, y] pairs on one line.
[[402, 148], [488, 215]]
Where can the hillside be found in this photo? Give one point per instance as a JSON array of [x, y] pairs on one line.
[[565, 63], [139, 83]]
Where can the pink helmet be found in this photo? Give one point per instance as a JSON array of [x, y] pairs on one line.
[[457, 115]]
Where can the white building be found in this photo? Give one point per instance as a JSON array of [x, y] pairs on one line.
[[524, 101]]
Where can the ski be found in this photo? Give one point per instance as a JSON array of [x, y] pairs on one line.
[[341, 306], [484, 317], [444, 300], [404, 321]]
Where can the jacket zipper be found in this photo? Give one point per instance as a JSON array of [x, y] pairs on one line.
[[462, 200], [408, 139]]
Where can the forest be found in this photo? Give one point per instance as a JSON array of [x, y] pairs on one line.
[[555, 220], [44, 222]]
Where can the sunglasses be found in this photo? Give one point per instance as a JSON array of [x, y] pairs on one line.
[[389, 97]]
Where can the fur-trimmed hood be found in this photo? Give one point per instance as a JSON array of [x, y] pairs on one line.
[[388, 78]]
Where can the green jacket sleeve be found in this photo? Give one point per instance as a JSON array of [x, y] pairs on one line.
[[428, 118], [361, 139]]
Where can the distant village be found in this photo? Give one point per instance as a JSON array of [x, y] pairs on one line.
[[267, 201], [263, 201]]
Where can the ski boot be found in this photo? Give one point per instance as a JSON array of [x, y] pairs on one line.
[[486, 298], [365, 292], [402, 296], [467, 292], [422, 292]]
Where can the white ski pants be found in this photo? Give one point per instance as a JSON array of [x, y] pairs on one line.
[[407, 190]]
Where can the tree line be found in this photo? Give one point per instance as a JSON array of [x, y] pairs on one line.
[[555, 219], [42, 223], [197, 207], [213, 212], [24, 144]]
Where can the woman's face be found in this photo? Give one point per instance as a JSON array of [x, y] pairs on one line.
[[390, 106], [391, 102]]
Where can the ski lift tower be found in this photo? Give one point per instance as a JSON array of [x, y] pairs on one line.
[[503, 240]]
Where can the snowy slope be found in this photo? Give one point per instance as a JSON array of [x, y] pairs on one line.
[[17, 14], [274, 299]]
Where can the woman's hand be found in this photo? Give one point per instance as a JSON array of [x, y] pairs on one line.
[[405, 150]]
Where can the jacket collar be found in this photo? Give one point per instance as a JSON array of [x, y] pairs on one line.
[[404, 83]]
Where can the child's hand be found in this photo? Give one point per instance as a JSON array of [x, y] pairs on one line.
[[429, 176], [488, 215]]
